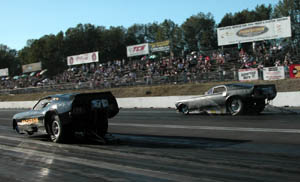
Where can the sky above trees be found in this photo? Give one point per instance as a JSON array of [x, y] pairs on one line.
[[32, 19]]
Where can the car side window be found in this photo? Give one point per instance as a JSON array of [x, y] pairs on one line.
[[219, 90], [42, 103]]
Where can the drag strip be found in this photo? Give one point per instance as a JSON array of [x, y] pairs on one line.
[[160, 145]]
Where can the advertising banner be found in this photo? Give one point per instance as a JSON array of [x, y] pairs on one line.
[[32, 67], [295, 71], [256, 31], [138, 50], [248, 74], [160, 46], [274, 73], [83, 58], [4, 72]]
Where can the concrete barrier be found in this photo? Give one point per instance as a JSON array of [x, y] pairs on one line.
[[291, 99], [17, 105]]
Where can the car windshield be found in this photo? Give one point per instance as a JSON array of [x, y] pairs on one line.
[[42, 103], [209, 92]]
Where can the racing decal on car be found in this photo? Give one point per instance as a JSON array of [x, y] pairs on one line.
[[101, 103], [29, 121]]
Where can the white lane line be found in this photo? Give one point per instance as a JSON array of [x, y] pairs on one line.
[[266, 130], [6, 118], [100, 164], [13, 110]]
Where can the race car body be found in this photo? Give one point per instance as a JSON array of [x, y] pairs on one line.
[[62, 114], [234, 99]]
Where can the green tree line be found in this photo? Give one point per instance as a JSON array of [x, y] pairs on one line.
[[197, 33]]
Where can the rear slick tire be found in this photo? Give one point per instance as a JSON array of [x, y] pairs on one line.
[[259, 106]]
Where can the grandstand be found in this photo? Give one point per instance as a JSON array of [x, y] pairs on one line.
[[196, 67]]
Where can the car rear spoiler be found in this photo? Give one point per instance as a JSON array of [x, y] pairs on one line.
[[86, 99], [269, 90]]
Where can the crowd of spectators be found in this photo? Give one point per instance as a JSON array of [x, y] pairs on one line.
[[262, 56], [165, 69], [24, 81], [118, 73]]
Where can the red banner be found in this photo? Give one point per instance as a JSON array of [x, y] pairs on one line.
[[295, 71]]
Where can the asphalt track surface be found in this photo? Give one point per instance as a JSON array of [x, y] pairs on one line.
[[161, 145]]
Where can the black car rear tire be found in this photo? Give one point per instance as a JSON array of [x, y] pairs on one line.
[[102, 127], [235, 106], [259, 106]]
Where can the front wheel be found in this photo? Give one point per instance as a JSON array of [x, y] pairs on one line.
[[184, 109], [56, 130], [235, 106], [15, 127]]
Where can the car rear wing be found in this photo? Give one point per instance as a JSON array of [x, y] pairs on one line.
[[268, 90], [98, 100]]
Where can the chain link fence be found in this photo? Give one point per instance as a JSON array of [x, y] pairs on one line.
[[182, 78]]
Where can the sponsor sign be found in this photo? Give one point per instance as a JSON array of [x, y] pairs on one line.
[[83, 58], [138, 50], [248, 74], [32, 67], [295, 71], [4, 72], [273, 73], [160, 46], [255, 31]]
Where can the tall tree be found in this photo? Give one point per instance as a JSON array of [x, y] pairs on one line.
[[8, 59], [114, 41], [154, 32], [290, 8], [199, 32], [137, 34], [261, 12]]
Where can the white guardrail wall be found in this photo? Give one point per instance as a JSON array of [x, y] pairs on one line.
[[291, 99]]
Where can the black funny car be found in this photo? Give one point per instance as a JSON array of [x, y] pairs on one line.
[[63, 114], [234, 99]]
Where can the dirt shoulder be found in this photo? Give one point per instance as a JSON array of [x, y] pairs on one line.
[[286, 85]]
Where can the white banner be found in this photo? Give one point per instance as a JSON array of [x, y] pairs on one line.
[[32, 67], [138, 50], [274, 73], [248, 74], [83, 58], [4, 72], [256, 31]]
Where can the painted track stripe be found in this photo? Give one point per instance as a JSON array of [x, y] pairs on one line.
[[266, 130]]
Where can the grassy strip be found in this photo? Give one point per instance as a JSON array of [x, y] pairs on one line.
[[161, 90]]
